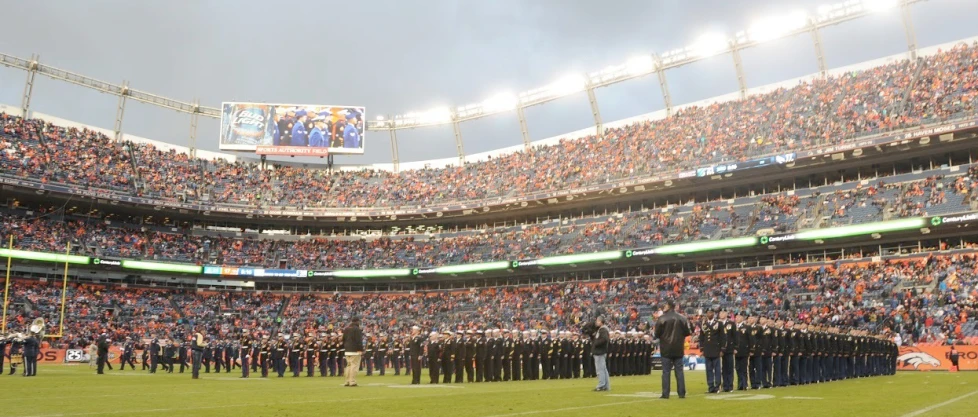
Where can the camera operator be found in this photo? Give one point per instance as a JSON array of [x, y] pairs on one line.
[[599, 334]]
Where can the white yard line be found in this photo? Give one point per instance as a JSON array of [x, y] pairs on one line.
[[585, 407], [939, 405], [340, 400], [163, 410]]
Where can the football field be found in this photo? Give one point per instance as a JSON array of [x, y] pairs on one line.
[[76, 391]]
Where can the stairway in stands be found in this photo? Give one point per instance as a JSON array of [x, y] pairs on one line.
[[278, 319]]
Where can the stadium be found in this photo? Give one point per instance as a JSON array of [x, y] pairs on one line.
[[818, 232]]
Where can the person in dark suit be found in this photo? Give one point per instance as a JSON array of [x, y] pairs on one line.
[[712, 342], [671, 329]]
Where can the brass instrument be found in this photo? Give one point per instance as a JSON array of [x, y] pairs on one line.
[[36, 328]]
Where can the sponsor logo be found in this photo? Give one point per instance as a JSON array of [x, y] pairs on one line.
[[775, 239], [520, 264], [784, 159], [639, 252], [917, 358], [106, 262], [955, 219]]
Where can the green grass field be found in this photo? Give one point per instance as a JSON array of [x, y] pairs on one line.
[[76, 391]]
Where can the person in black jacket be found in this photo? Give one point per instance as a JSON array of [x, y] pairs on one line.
[[600, 352], [103, 352], [712, 341], [671, 329], [353, 345]]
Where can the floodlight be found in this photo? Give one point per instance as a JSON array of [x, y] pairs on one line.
[[437, 115], [380, 118], [774, 27], [500, 102], [825, 9], [880, 5], [568, 85], [709, 45], [640, 65]]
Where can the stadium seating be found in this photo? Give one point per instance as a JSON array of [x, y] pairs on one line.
[[813, 113], [929, 298], [926, 193]]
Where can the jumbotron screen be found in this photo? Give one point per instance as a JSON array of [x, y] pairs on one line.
[[292, 129]]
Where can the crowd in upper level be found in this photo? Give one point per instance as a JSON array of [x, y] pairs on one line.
[[812, 113], [929, 193]]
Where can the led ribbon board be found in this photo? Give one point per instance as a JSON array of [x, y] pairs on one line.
[[44, 256], [576, 259], [162, 267], [372, 273], [684, 248], [862, 229], [464, 269]]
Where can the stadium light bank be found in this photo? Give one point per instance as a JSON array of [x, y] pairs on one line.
[[765, 29], [707, 45]]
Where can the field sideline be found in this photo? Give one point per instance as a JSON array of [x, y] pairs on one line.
[[76, 391]]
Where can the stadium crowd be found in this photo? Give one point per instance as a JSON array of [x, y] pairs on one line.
[[928, 298], [927, 193], [813, 113]]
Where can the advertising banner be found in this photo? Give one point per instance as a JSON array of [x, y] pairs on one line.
[[936, 358], [290, 129], [74, 355]]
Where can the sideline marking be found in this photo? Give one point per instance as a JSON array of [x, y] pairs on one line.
[[585, 407], [939, 405]]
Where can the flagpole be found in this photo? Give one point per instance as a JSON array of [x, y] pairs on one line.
[[6, 286], [64, 293]]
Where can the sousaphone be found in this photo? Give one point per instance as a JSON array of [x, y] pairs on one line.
[[37, 328]]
